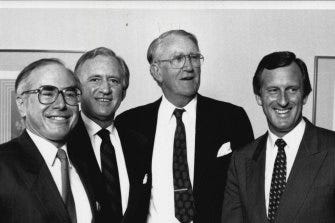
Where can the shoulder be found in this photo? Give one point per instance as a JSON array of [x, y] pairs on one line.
[[138, 113], [219, 106], [10, 153], [326, 137], [255, 146]]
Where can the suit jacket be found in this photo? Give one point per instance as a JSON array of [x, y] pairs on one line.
[[310, 190], [139, 178], [216, 123], [28, 193]]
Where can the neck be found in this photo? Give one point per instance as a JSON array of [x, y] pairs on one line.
[[179, 101]]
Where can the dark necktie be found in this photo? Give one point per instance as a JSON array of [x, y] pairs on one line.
[[278, 182], [183, 195], [111, 175], [66, 188]]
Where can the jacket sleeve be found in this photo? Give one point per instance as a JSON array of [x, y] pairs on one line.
[[232, 205]]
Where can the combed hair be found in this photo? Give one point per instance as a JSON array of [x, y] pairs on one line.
[[156, 42], [25, 73], [103, 51], [281, 59]]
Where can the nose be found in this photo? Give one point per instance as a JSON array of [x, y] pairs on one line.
[[188, 63], [105, 87], [283, 99], [60, 101]]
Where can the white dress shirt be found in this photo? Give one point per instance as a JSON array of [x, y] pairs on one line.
[[92, 129], [293, 140], [49, 152], [162, 193]]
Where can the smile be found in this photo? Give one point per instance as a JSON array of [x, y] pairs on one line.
[[282, 111], [187, 78], [57, 117], [104, 99]]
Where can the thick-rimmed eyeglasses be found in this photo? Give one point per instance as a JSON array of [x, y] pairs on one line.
[[177, 62], [48, 94]]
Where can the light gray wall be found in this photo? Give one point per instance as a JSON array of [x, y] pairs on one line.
[[232, 40]]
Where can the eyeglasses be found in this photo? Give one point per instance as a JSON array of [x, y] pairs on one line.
[[48, 94], [177, 62]]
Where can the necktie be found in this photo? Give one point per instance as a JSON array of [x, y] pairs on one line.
[[111, 175], [66, 188], [183, 195], [278, 182]]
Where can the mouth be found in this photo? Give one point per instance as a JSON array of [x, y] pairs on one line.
[[104, 99], [187, 78], [58, 118], [281, 111]]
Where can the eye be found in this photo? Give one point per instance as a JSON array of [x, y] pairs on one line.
[[293, 89], [272, 90], [94, 79], [179, 58], [114, 80]]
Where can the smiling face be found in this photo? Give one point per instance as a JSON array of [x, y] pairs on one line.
[[102, 89], [178, 85], [281, 97], [52, 122]]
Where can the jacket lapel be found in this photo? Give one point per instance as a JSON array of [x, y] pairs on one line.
[[82, 157], [38, 179], [255, 171], [203, 143], [305, 168]]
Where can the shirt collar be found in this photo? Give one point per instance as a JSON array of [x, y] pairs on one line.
[[92, 127], [167, 108], [47, 149], [292, 138]]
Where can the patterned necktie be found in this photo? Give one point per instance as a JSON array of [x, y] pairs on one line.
[[278, 182], [110, 174], [183, 195], [66, 187]]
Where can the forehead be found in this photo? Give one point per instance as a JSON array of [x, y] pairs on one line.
[[51, 74], [100, 65], [288, 75], [176, 44]]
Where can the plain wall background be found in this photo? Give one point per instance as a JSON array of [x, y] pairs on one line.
[[233, 41]]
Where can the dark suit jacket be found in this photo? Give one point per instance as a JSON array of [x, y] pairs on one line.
[[28, 193], [132, 145], [310, 191], [216, 123]]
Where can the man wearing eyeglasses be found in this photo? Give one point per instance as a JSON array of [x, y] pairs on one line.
[[190, 136], [113, 154], [38, 182]]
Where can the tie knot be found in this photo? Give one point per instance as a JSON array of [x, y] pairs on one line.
[[61, 154], [178, 113], [103, 134], [280, 143]]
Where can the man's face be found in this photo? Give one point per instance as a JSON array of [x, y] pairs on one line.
[[182, 83], [52, 122], [102, 89], [281, 97]]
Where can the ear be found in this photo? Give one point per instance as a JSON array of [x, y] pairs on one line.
[[20, 105], [304, 100], [124, 93], [155, 72], [259, 100]]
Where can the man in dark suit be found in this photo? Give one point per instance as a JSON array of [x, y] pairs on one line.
[[117, 167], [190, 136], [38, 183], [288, 174]]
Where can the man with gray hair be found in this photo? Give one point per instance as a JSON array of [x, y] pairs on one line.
[[113, 154], [190, 136]]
